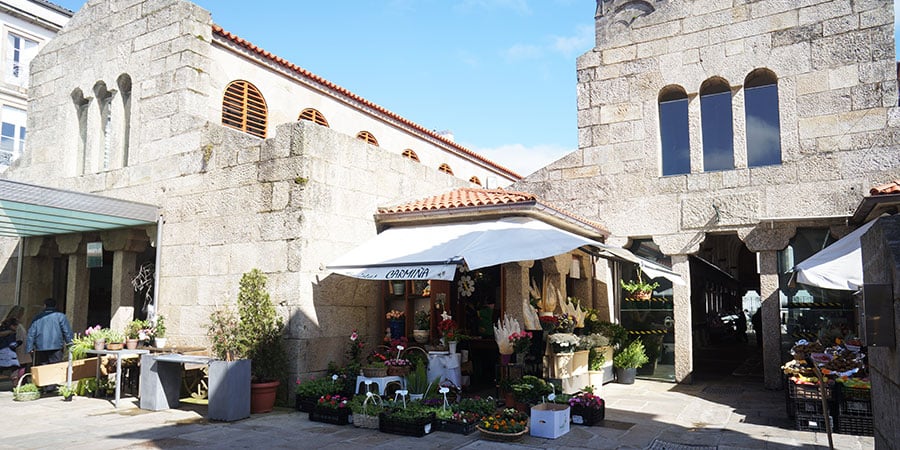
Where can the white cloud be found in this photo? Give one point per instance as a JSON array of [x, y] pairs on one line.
[[522, 159], [520, 6], [520, 52], [581, 41]]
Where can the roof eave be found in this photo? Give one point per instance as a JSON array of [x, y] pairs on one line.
[[875, 205]]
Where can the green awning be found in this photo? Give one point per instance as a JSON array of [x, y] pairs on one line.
[[31, 210]]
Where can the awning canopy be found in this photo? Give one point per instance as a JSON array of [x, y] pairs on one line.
[[432, 252], [31, 210], [838, 266]]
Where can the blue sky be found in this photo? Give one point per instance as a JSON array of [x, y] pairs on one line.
[[499, 74]]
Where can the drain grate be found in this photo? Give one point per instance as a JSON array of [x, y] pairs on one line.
[[659, 444]]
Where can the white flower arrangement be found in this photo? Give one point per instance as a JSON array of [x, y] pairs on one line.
[[563, 342]]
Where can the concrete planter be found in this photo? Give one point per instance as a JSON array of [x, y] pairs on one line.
[[625, 376], [229, 390]]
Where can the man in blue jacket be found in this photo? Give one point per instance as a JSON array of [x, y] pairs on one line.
[[49, 334]]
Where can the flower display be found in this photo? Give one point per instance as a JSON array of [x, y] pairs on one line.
[[332, 401], [521, 341], [466, 286], [505, 328], [549, 323], [394, 315], [397, 362], [355, 348], [447, 325], [507, 421], [563, 342], [586, 400], [565, 323]]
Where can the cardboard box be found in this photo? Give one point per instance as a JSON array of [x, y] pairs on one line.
[[56, 373], [549, 420]]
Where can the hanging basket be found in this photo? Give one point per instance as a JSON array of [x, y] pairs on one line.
[[25, 396], [374, 372], [397, 371], [640, 295]]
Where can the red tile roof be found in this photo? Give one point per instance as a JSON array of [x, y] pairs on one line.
[[890, 188], [344, 92], [476, 197]]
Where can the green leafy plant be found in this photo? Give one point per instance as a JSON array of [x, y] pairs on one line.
[[417, 380], [596, 359], [260, 328], [372, 408], [114, 337], [159, 330], [65, 390], [27, 387], [224, 333], [423, 319], [638, 285], [135, 328], [478, 405], [530, 389], [632, 356], [317, 387]]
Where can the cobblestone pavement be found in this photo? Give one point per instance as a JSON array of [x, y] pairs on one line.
[[724, 416]]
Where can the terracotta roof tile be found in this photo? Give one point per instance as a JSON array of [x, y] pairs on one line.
[[476, 197], [889, 188], [344, 92]]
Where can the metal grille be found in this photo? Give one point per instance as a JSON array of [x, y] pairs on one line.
[[314, 116], [411, 155], [368, 137], [446, 169]]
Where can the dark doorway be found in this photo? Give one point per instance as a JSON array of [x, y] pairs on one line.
[[100, 292]]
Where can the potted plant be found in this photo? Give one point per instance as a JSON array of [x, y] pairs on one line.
[[638, 289], [423, 326], [115, 340], [159, 332], [398, 367], [260, 329], [135, 331], [66, 392], [307, 393], [507, 425], [587, 408], [627, 360], [451, 333], [521, 343], [529, 391], [229, 395], [396, 323], [412, 419], [333, 409], [465, 415], [376, 367]]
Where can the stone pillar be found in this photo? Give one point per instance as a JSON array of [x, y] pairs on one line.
[[515, 275], [37, 276], [582, 287], [556, 269], [78, 280], [122, 304], [681, 298], [771, 317]]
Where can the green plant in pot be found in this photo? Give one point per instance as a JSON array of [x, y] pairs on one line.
[[260, 330], [627, 360], [422, 322], [638, 289]]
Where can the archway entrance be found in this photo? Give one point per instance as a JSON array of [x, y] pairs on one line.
[[724, 299]]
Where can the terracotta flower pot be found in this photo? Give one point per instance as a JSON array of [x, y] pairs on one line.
[[262, 396]]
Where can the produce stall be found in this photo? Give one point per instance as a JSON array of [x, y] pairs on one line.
[[829, 387]]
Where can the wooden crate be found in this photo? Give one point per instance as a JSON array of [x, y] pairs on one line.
[[56, 373]]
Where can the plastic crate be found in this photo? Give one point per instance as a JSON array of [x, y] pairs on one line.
[[452, 426], [813, 422], [848, 393], [857, 426], [416, 428], [808, 391], [854, 402], [807, 407]]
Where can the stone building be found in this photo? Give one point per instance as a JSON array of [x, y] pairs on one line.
[[731, 139], [251, 161], [26, 26]]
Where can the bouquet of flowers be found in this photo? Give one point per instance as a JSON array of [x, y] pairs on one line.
[[521, 341], [447, 325], [394, 315], [549, 323], [565, 323], [563, 342]]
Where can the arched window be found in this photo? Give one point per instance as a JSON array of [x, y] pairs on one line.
[[673, 131], [475, 180], [409, 153], [244, 108], [761, 112], [313, 115], [446, 169], [716, 121], [368, 137]]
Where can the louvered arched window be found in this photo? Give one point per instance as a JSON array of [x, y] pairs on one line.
[[475, 180], [244, 108], [409, 153], [446, 169], [368, 137], [314, 116]]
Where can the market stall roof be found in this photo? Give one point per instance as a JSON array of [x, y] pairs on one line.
[[838, 266], [31, 210], [432, 252]]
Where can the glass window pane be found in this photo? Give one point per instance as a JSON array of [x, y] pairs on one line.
[[718, 134], [673, 130], [763, 126]]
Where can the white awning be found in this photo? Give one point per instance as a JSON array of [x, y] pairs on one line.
[[432, 252], [838, 266]]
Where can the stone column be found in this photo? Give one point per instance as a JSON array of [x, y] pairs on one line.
[[681, 297], [37, 269], [78, 280], [771, 318], [515, 275], [582, 287]]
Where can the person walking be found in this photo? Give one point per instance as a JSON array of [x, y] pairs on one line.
[[49, 334]]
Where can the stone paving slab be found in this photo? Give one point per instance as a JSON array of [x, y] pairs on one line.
[[638, 415]]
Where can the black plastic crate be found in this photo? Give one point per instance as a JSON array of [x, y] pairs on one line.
[[857, 426], [807, 407], [851, 393], [587, 416], [415, 428], [854, 402], [808, 391], [452, 426], [813, 422]]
